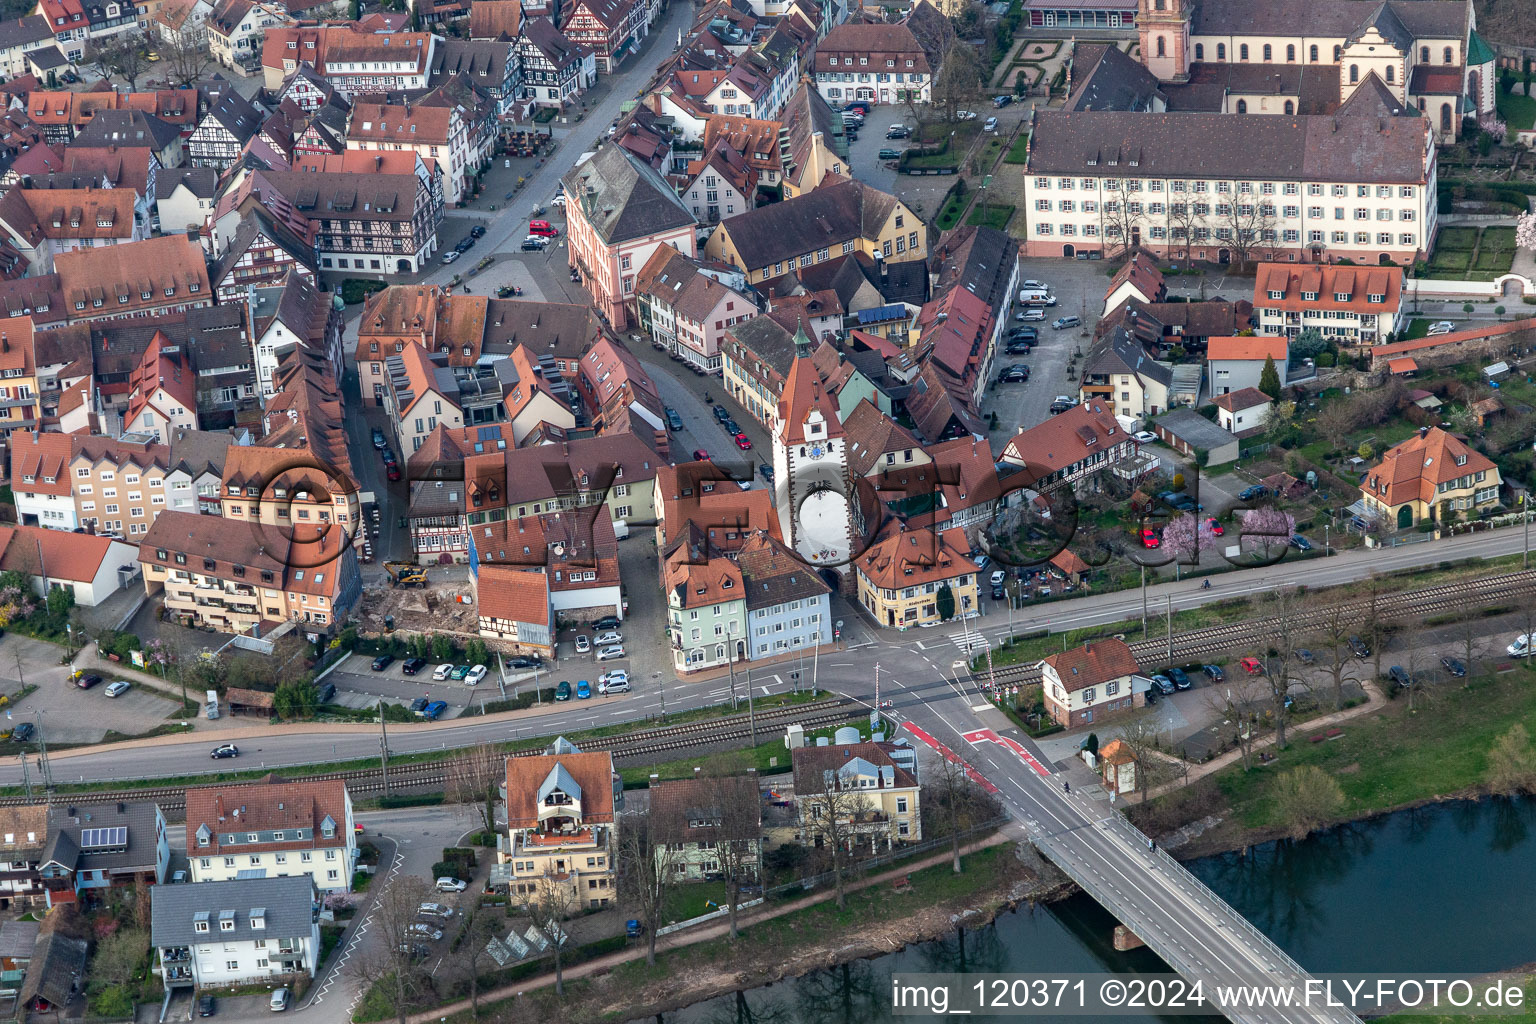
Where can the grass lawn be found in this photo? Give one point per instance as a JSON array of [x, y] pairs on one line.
[[1450, 264], [768, 756], [1498, 239], [959, 133], [1418, 327], [1526, 1016], [1392, 757], [1517, 111], [954, 208], [945, 159], [688, 900], [991, 215], [1462, 238], [1495, 261], [989, 151], [1019, 150]]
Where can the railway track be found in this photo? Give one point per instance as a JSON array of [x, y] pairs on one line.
[[1253, 633], [438, 774]]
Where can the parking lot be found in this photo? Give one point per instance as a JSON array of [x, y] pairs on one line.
[[357, 686], [70, 715]]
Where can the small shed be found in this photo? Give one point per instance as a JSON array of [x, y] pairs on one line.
[[1075, 568], [1487, 408], [1191, 433], [1498, 371], [250, 702], [1118, 766], [1403, 366]]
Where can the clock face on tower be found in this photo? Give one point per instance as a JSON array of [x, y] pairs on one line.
[[816, 451]]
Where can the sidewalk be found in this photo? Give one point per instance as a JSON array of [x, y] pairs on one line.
[[1012, 832]]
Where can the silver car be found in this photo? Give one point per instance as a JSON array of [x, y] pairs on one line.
[[422, 928], [611, 652]]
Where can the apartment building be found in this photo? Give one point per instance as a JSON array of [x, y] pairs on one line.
[[1349, 305], [1431, 477], [1070, 449], [99, 847], [157, 275], [352, 60], [706, 605], [840, 217], [619, 210], [789, 607], [561, 826], [237, 27], [900, 576], [1312, 188], [691, 819], [555, 70], [878, 63], [119, 483], [230, 123], [686, 308], [1233, 364], [292, 489], [874, 797], [243, 579], [434, 133], [244, 931], [278, 828], [385, 223]]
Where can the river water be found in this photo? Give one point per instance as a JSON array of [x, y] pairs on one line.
[[1441, 888]]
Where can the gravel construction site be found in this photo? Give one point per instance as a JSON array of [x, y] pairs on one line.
[[441, 607]]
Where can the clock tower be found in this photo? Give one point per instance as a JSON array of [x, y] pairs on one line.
[[810, 466]]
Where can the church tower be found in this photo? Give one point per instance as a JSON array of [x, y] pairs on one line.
[[810, 466], [1164, 29]]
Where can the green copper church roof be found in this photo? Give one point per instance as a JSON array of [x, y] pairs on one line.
[[1478, 51]]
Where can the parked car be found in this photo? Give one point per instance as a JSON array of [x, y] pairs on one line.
[[1217, 530], [1521, 647], [451, 255], [1023, 333], [1144, 437], [1304, 655], [1180, 678], [731, 426], [1019, 348], [474, 675], [447, 884], [392, 472], [583, 645], [221, 751], [118, 688], [610, 637], [1061, 323], [85, 682], [379, 440], [459, 673], [722, 413], [743, 442], [965, 115], [543, 228], [419, 705], [701, 455], [890, 154], [525, 661], [1359, 647], [1150, 538], [411, 666], [1213, 672], [206, 1007], [766, 472], [898, 131], [606, 622], [862, 106], [383, 662], [1035, 313], [674, 421], [1453, 666], [422, 928], [998, 594], [1300, 543], [1001, 101], [1060, 406], [434, 910], [583, 690], [563, 691], [990, 126], [478, 231], [613, 682], [1256, 491], [23, 732], [1400, 676], [443, 671], [1253, 666], [1014, 375], [1163, 684], [279, 1001], [611, 652], [533, 243], [434, 710]]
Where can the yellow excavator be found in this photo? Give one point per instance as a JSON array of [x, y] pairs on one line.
[[405, 574]]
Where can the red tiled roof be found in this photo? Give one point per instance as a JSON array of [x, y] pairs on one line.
[[1243, 398], [1326, 282], [1259, 346], [1093, 663], [1415, 468], [593, 772], [271, 804], [514, 594]]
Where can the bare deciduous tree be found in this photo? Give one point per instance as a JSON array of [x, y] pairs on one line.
[[647, 874], [738, 804], [1282, 610], [1245, 223], [836, 817], [473, 777], [1182, 222], [959, 81], [1238, 700], [479, 928], [185, 62], [391, 961], [1120, 217], [554, 899], [1331, 640]]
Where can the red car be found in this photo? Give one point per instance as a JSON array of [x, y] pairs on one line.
[[392, 471], [1216, 528], [1252, 666], [700, 455], [1149, 537], [743, 442]]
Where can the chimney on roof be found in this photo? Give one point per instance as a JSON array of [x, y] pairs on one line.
[[1423, 432]]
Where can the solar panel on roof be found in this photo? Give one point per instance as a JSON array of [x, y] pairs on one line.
[[102, 838]]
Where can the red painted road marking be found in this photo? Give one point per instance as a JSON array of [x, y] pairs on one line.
[[950, 756], [987, 735]]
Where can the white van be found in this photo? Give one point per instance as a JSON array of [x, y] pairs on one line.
[[1036, 297], [1521, 648]]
